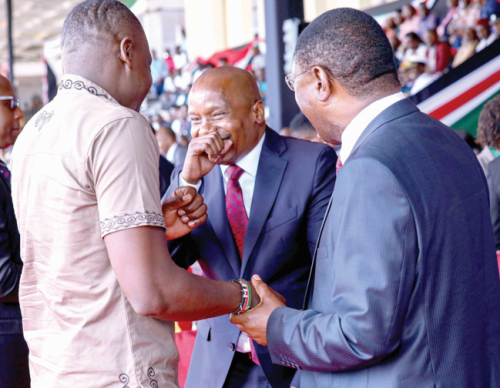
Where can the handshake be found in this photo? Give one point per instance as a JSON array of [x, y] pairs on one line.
[[184, 211]]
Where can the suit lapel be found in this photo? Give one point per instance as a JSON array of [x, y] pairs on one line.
[[395, 111], [267, 184], [310, 282], [215, 200]]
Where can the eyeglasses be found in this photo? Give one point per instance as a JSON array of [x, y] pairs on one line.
[[291, 81], [14, 102]]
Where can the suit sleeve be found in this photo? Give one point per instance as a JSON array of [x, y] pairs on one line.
[[10, 271], [183, 250], [372, 230], [324, 181]]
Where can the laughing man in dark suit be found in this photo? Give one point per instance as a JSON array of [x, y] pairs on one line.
[[266, 197]]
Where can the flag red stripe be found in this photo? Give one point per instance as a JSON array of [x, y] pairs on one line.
[[464, 98]]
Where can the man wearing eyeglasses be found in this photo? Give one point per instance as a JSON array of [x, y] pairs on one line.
[[14, 371], [404, 290]]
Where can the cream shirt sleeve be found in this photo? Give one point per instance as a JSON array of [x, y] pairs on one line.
[[124, 165]]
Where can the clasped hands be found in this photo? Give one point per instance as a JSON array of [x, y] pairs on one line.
[[183, 211], [254, 322]]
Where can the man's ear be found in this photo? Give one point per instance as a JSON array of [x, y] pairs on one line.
[[323, 84], [125, 54], [259, 112]]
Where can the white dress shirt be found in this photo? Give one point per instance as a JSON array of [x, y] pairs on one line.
[[358, 125], [249, 163]]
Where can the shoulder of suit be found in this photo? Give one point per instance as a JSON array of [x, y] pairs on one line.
[[305, 146]]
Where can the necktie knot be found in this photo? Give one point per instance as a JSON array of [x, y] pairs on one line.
[[234, 172], [339, 165]]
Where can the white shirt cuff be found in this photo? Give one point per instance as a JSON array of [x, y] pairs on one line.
[[182, 182]]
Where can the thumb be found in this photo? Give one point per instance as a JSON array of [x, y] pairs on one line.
[[261, 287], [178, 199]]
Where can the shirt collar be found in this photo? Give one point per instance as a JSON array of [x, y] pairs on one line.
[[250, 162], [76, 83], [358, 125]]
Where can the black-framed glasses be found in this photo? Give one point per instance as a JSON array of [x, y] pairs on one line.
[[291, 81], [14, 102]]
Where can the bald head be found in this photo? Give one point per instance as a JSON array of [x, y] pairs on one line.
[[5, 85], [236, 85]]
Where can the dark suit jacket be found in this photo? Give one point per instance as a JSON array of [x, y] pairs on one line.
[[494, 186], [10, 262], [166, 169], [406, 291], [294, 182]]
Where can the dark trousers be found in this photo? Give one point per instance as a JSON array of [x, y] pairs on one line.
[[14, 371], [244, 373]]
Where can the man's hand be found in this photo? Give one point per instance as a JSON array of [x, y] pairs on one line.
[[254, 322], [183, 211], [202, 155]]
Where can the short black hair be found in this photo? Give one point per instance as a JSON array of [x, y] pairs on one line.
[[413, 36], [352, 46], [94, 22]]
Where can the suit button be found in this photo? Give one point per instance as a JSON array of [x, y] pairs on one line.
[[232, 346]]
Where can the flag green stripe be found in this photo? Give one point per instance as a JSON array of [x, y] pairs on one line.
[[129, 3], [469, 121]]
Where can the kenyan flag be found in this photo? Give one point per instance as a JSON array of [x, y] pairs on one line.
[[458, 97]]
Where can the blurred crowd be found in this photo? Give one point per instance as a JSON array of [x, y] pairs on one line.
[[426, 47]]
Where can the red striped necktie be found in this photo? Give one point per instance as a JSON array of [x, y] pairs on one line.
[[238, 219]]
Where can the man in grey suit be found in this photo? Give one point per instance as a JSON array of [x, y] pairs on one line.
[[405, 290]]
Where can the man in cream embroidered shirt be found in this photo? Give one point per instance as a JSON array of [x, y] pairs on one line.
[[93, 170]]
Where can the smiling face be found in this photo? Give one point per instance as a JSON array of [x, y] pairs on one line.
[[227, 104], [10, 120]]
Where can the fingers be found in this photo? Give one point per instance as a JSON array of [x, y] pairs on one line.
[[179, 198], [210, 144], [192, 206], [199, 221]]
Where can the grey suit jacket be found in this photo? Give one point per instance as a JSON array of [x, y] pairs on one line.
[[405, 291]]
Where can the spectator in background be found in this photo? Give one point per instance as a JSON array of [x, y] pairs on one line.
[[438, 54], [390, 28], [413, 47], [180, 58], [398, 19], [484, 35], [301, 128], [411, 23], [495, 26], [428, 20], [169, 148], [442, 30], [468, 47], [488, 132], [490, 7], [169, 60], [198, 70], [223, 62], [159, 71], [181, 124], [418, 76], [398, 53], [258, 60], [14, 372]]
